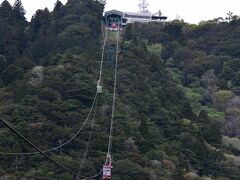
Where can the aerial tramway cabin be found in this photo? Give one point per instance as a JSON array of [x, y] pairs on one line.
[[107, 168], [107, 172], [115, 19]]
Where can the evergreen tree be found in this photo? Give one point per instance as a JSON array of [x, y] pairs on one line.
[[18, 10], [12, 27], [5, 9], [58, 6], [47, 81]]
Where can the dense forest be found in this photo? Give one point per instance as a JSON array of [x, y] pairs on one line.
[[178, 95]]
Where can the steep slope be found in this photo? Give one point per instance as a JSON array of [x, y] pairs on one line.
[[48, 88], [204, 61]]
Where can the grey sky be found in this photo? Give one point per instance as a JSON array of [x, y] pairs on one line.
[[191, 11]]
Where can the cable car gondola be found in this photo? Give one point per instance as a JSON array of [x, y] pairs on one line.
[[99, 87], [107, 168]]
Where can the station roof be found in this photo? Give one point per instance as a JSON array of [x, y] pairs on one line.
[[139, 13], [120, 13], [114, 11]]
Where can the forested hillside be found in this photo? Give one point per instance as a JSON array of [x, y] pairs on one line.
[[177, 109], [203, 60]]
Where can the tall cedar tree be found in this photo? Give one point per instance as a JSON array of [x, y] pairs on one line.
[[18, 10]]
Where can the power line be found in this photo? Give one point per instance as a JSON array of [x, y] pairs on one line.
[[60, 146], [81, 128], [35, 147], [89, 114]]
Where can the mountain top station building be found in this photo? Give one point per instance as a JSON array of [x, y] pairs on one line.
[[115, 17]]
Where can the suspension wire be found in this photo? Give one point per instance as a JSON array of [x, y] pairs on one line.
[[95, 101], [100, 78], [93, 121], [86, 120], [35, 147], [64, 144], [89, 139], [91, 177], [96, 175], [114, 96], [113, 109], [4, 58], [113, 112], [103, 51]]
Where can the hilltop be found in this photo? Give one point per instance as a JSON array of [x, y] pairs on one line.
[[177, 95]]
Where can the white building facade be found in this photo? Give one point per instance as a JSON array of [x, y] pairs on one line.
[[115, 17]]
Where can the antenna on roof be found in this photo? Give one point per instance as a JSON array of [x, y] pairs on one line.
[[143, 6]]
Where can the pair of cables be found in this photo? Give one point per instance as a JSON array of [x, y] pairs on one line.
[[84, 123], [43, 152], [94, 104]]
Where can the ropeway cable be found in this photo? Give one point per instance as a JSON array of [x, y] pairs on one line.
[[103, 51], [86, 120], [113, 110], [114, 97], [73, 137], [94, 176], [93, 120], [89, 140]]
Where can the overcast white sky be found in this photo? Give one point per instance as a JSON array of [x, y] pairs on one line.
[[191, 11]]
